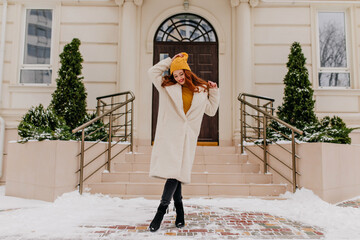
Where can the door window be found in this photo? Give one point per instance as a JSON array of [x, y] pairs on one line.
[[185, 28]]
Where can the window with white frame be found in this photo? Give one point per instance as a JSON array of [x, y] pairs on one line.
[[36, 64], [333, 68]]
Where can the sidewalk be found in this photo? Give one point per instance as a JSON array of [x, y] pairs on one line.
[[203, 223]]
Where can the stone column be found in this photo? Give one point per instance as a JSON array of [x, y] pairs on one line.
[[128, 44], [243, 45], [128, 69], [243, 53]]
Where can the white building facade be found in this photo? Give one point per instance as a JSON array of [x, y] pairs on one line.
[[244, 46]]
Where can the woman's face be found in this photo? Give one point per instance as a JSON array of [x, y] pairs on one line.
[[179, 76]]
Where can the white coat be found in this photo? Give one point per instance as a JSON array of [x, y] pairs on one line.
[[176, 133]]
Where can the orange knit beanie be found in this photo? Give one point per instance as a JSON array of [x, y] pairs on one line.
[[180, 63]]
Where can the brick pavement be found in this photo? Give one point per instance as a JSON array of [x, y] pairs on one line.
[[227, 223], [351, 203]]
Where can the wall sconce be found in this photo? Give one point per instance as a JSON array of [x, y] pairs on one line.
[[186, 4]]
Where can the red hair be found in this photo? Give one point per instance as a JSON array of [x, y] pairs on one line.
[[191, 80]]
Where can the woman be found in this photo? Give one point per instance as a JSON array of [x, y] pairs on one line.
[[183, 100]]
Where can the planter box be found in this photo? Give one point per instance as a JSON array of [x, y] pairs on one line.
[[330, 170], [44, 170]]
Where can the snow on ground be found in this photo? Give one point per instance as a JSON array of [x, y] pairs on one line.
[[67, 216], [13, 202]]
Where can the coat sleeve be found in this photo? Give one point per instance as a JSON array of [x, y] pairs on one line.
[[156, 71], [212, 102]]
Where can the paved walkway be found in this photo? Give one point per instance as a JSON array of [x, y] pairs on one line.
[[352, 203], [201, 223], [227, 223]]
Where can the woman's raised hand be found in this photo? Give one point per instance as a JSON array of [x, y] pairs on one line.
[[177, 55], [212, 84]]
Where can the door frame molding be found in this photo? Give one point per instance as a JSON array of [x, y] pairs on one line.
[[161, 17]]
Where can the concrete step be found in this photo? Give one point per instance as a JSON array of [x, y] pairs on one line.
[[158, 197], [197, 167], [193, 189], [200, 150], [231, 178], [215, 158]]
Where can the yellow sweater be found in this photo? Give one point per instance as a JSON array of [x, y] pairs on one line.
[[187, 96]]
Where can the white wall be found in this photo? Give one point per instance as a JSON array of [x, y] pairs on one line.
[[274, 28]]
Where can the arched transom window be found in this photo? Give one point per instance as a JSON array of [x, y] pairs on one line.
[[185, 27]]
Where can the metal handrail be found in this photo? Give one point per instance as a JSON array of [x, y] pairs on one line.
[[116, 94], [113, 127], [261, 119], [255, 96], [271, 116]]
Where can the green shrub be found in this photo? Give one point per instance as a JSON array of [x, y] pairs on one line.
[[331, 130], [97, 129], [40, 124]]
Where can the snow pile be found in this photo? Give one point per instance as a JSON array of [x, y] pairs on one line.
[[69, 215]]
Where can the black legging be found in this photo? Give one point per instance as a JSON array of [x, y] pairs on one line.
[[172, 189]]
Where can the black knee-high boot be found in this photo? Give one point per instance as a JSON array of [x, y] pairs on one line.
[[156, 222], [169, 189], [180, 221]]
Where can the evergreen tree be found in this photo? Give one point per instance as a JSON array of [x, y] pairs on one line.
[[69, 98], [298, 108], [68, 106], [298, 104]]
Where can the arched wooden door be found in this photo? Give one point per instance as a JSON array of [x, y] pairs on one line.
[[194, 35]]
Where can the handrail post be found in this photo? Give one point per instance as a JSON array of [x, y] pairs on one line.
[[265, 144], [109, 142], [244, 122], [81, 180], [98, 108], [293, 159], [126, 118], [241, 127], [132, 127], [258, 119]]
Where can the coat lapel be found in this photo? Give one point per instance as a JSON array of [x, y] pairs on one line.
[[175, 93]]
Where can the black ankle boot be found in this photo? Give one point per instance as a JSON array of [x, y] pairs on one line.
[[180, 221], [156, 222]]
